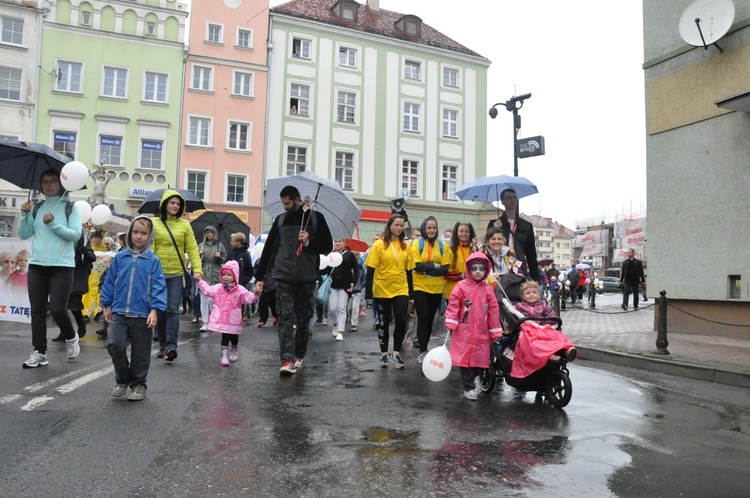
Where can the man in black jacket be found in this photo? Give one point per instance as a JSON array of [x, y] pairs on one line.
[[519, 233], [292, 255], [631, 277], [238, 252]]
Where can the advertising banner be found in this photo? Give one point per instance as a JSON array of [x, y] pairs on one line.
[[14, 295], [593, 242], [630, 233]]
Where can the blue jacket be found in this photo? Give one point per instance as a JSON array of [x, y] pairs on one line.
[[54, 243], [135, 282]]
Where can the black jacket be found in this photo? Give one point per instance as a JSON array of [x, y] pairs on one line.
[[524, 243], [631, 272], [242, 257], [85, 258]]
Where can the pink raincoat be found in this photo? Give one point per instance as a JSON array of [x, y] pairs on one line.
[[474, 317], [226, 313]]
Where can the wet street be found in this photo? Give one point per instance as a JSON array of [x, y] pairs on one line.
[[344, 427]]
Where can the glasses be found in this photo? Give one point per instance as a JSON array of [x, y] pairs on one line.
[[50, 182]]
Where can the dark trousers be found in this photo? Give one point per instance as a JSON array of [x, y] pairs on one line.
[[168, 325], [295, 305], [468, 374], [627, 289], [227, 338], [573, 292], [426, 305], [267, 300], [49, 284], [124, 331], [396, 309]]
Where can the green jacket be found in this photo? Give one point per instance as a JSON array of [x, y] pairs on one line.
[[163, 246], [211, 264]]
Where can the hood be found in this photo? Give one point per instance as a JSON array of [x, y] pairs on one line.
[[163, 203], [147, 247], [423, 231], [480, 256], [216, 235], [234, 268]]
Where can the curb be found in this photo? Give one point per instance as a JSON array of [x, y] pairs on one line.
[[727, 377]]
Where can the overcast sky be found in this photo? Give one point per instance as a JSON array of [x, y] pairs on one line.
[[582, 63]]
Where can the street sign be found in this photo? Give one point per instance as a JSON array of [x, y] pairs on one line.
[[530, 147]]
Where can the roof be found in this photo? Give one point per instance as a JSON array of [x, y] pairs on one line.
[[381, 22]]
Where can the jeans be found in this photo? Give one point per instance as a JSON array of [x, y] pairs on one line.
[[168, 325], [426, 305], [627, 288], [395, 308], [295, 305], [51, 283], [133, 331], [353, 307], [337, 300]]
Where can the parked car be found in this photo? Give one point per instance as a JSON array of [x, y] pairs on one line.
[[608, 284]]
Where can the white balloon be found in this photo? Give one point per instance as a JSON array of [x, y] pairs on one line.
[[258, 249], [100, 214], [323, 262], [335, 259], [84, 209], [74, 176], [437, 364]]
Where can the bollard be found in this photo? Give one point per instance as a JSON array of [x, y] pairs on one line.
[[592, 294], [556, 302], [661, 331]]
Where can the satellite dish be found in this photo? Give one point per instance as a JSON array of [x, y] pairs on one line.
[[704, 22]]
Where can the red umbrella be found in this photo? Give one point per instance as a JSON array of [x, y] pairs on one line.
[[356, 245]]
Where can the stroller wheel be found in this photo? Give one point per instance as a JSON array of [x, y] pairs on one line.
[[559, 389], [487, 380], [539, 398]]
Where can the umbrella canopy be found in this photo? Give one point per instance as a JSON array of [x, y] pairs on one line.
[[115, 224], [489, 188], [151, 204], [22, 163], [583, 266], [225, 223], [356, 245], [340, 211], [545, 261]]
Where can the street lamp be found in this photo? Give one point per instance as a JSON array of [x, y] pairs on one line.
[[513, 105]]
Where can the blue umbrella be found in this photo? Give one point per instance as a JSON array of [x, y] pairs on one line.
[[22, 163], [152, 202], [489, 188]]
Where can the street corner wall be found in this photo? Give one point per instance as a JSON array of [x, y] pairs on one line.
[[14, 295]]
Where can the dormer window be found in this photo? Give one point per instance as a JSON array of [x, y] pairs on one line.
[[346, 9], [410, 25]]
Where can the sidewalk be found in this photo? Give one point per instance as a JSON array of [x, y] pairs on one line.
[[609, 334]]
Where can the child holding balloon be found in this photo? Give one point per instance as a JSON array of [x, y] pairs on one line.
[[473, 318]]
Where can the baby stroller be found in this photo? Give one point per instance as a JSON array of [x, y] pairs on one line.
[[551, 382]]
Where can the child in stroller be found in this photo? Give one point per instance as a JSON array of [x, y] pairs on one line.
[[530, 356]]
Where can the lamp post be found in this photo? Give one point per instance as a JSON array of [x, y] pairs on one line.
[[514, 104]]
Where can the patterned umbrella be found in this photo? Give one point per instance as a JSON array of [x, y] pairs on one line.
[[327, 197]]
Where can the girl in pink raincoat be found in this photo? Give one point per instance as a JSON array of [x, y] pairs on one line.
[[226, 313], [473, 317]]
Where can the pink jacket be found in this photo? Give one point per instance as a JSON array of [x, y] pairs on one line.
[[226, 313], [474, 317]]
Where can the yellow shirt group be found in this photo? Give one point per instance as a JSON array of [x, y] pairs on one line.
[[431, 254], [390, 263]]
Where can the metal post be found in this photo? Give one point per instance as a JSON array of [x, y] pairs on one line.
[[592, 294], [516, 128], [556, 302], [661, 332]]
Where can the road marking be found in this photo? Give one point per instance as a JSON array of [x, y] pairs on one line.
[[70, 386], [33, 388], [36, 402], [9, 399]]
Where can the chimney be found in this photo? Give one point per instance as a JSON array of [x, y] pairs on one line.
[[373, 5]]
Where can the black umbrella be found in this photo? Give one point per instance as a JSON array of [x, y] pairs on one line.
[[225, 223], [22, 163], [152, 202]]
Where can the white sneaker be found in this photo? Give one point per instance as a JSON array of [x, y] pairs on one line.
[[472, 395], [421, 356], [203, 328], [335, 332], [72, 347], [339, 336], [36, 359], [298, 362], [325, 321]]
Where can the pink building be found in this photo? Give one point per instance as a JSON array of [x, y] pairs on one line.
[[224, 108]]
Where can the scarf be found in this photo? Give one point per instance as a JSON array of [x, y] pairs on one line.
[[228, 286]]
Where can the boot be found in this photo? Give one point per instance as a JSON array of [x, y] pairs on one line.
[[233, 354], [224, 359]]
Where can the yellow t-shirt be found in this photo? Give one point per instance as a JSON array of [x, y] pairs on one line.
[[431, 254], [458, 269], [390, 263]]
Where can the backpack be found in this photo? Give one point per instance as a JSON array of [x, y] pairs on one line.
[[68, 209], [421, 245]]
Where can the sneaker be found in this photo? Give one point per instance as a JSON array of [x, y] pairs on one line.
[[203, 328], [162, 353], [335, 332], [298, 362], [101, 333], [397, 361], [635, 308], [421, 356], [383, 363], [233, 354], [171, 355], [353, 328], [325, 321], [471, 394], [224, 360], [275, 321], [339, 336], [571, 354], [72, 347], [119, 390], [319, 319], [362, 313], [261, 325], [36, 359], [287, 368], [138, 393], [415, 344], [477, 383], [623, 306]]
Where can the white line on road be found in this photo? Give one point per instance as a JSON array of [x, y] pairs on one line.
[[9, 399], [70, 386], [33, 388], [36, 402]]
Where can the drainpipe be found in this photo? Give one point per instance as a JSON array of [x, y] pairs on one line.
[[182, 112], [46, 9], [269, 45]]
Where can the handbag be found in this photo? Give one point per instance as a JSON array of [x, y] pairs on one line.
[[324, 290], [185, 274]]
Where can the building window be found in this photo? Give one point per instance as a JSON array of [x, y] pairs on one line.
[[409, 177], [347, 57], [155, 87], [151, 154], [238, 136], [69, 76], [411, 27], [235, 188], [450, 176], [200, 131], [344, 169], [110, 150], [411, 70], [348, 12], [301, 48], [411, 116], [10, 83], [7, 223], [296, 160], [196, 183], [151, 28], [300, 100], [243, 84], [214, 33], [12, 31], [85, 18], [346, 107], [115, 82], [450, 123], [64, 143], [244, 38], [450, 77], [201, 78]]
